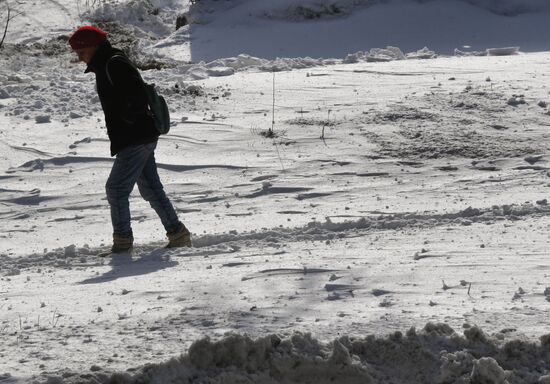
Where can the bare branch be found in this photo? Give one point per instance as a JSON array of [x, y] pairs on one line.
[[10, 16], [6, 27]]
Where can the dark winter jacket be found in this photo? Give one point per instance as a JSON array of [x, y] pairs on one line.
[[123, 99]]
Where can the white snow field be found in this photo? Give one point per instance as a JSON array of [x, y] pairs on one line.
[[361, 213]]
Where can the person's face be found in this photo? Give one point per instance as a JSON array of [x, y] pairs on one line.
[[85, 54]]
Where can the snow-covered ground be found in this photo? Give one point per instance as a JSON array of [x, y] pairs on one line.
[[394, 230]]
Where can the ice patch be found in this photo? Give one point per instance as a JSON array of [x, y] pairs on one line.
[[424, 53], [220, 71], [387, 54], [506, 51]]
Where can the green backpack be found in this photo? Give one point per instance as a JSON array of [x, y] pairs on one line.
[[158, 109]]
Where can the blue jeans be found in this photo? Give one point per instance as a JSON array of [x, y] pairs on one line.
[[133, 165]]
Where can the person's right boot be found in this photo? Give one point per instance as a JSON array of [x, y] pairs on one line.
[[122, 243], [180, 238]]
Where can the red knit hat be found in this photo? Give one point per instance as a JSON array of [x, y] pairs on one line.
[[85, 37]]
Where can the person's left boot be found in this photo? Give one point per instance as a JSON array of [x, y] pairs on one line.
[[122, 243], [180, 238]]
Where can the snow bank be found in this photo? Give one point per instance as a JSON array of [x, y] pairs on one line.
[[500, 7], [140, 14], [436, 354], [330, 9], [512, 7], [388, 54], [228, 66]]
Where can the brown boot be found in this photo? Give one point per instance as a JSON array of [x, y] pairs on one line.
[[180, 238], [122, 243]]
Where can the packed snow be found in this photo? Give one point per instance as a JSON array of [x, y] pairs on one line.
[[366, 183]]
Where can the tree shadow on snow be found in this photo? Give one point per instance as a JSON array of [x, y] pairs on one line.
[[124, 265]]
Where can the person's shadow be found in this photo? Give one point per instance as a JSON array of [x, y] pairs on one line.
[[125, 265]]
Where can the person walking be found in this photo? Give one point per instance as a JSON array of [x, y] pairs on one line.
[[133, 138]]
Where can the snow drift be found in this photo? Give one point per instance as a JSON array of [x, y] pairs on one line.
[[436, 354]]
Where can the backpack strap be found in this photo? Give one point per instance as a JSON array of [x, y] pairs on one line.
[[144, 84], [107, 68], [124, 59]]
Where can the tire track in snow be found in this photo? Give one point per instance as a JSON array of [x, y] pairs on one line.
[[328, 230], [314, 231]]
